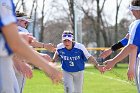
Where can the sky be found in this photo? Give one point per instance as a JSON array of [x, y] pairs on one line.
[[109, 9]]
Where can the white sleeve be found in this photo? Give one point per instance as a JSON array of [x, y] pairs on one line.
[[7, 12], [86, 53]]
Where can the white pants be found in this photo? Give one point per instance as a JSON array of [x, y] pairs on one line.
[[137, 73], [73, 81], [8, 81], [21, 80]]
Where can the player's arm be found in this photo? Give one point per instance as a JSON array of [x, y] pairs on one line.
[[22, 67], [50, 47], [120, 44], [132, 60], [55, 57], [12, 37], [27, 37], [92, 60], [123, 53], [115, 47]]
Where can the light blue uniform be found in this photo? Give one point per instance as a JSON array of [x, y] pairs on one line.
[[8, 81], [73, 64], [134, 38]]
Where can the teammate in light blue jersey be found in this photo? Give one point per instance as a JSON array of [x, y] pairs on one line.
[[132, 48], [8, 82], [73, 56], [22, 69], [11, 41]]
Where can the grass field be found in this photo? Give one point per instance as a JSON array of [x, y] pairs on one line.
[[114, 81]]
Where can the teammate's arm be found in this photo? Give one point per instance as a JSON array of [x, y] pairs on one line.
[[115, 47], [50, 47], [55, 57], [12, 37], [92, 60]]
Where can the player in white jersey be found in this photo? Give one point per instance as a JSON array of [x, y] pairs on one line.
[[132, 48], [9, 40], [73, 56], [22, 69]]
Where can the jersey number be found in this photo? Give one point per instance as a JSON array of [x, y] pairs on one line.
[[71, 63]]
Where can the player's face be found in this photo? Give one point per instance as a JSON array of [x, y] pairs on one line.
[[136, 13], [68, 44], [23, 23]]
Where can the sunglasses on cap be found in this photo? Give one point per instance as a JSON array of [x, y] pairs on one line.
[[67, 35]]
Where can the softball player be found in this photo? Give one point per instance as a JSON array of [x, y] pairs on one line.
[[73, 56], [132, 48], [8, 81], [22, 21], [19, 63], [8, 33]]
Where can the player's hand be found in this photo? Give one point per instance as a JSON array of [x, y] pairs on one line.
[[23, 68], [50, 47], [105, 53], [131, 74], [27, 71], [109, 64], [54, 74], [101, 69]]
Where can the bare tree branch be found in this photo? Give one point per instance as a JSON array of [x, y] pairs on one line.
[[17, 3]]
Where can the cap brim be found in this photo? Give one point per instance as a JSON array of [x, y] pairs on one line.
[[25, 19]]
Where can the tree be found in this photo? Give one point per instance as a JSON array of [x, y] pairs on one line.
[[118, 4], [42, 22], [23, 6], [54, 29], [71, 15], [94, 13], [35, 13]]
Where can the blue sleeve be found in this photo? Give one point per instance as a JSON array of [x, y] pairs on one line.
[[124, 41]]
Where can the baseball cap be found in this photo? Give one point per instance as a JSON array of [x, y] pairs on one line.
[[25, 18], [131, 7], [67, 35]]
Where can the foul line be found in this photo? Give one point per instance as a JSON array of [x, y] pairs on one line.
[[123, 81]]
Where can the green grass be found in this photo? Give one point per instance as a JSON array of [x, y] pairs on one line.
[[114, 81]]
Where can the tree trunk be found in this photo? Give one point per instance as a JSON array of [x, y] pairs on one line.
[[42, 23]]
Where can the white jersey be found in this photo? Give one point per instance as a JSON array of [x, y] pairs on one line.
[[21, 29], [134, 35], [8, 81], [7, 10]]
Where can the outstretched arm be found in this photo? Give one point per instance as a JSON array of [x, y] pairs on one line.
[[12, 37], [115, 47], [124, 52], [50, 47], [92, 60], [55, 57]]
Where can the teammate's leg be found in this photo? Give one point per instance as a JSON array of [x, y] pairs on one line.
[[78, 81], [21, 80], [68, 82], [137, 74], [8, 81]]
